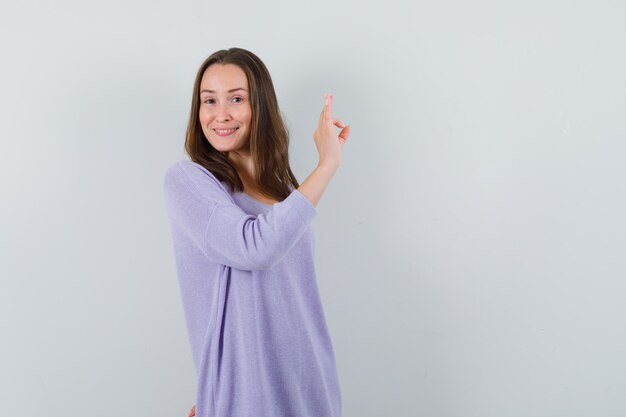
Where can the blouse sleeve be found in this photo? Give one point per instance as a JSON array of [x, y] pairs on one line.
[[201, 211]]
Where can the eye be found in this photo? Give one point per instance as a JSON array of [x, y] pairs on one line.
[[240, 99], [209, 101]]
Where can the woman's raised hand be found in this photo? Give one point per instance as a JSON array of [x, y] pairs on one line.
[[330, 143], [330, 146]]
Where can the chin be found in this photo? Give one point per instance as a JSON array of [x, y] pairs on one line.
[[224, 150]]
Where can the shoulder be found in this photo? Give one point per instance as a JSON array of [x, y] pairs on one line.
[[196, 178], [196, 174]]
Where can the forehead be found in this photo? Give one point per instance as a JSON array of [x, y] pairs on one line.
[[226, 77]]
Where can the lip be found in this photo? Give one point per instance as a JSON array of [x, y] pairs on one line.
[[225, 131]]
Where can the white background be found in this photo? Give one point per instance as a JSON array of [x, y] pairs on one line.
[[470, 249]]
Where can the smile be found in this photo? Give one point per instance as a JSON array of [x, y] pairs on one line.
[[225, 132]]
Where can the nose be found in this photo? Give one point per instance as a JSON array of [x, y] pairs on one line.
[[223, 114]]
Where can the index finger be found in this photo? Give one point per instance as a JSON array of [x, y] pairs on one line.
[[324, 114], [329, 108]]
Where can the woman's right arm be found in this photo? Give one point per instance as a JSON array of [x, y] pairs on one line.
[[203, 215], [330, 147]]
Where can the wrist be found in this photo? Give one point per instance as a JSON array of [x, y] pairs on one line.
[[328, 165]]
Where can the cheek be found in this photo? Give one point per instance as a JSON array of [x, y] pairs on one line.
[[205, 111], [246, 115], [202, 115], [204, 121]]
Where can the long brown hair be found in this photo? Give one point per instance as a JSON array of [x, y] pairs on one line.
[[269, 137]]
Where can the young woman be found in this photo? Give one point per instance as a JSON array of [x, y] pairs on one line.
[[244, 248]]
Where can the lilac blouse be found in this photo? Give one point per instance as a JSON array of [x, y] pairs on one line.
[[256, 326]]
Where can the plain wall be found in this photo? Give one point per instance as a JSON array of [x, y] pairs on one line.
[[470, 249]]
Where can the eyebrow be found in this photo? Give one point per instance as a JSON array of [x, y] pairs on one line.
[[230, 91]]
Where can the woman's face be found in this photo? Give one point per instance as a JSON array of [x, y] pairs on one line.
[[225, 111]]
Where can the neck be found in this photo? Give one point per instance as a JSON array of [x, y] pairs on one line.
[[242, 160]]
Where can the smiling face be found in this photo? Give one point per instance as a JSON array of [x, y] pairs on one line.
[[225, 112]]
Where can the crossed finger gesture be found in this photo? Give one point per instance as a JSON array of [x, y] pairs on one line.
[[329, 142]]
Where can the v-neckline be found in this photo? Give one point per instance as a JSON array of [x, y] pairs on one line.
[[258, 201]]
